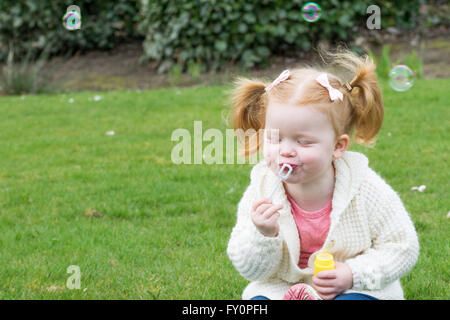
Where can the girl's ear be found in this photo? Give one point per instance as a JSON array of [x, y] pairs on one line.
[[340, 146]]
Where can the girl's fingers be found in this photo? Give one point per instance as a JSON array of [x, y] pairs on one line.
[[322, 282], [273, 218], [327, 293], [326, 274], [259, 202], [271, 211], [262, 208], [325, 290]]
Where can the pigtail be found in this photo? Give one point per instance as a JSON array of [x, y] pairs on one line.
[[367, 102], [364, 96], [248, 99]]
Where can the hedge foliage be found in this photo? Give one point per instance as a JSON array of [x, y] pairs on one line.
[[214, 32], [206, 33], [35, 24]]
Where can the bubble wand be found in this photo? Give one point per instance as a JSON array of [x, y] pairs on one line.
[[282, 177]]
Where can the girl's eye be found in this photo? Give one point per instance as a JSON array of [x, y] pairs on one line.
[[304, 141]]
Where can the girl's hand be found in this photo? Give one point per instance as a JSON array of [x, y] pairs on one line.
[[331, 283], [265, 215]]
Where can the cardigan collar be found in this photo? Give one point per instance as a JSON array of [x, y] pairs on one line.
[[351, 169]]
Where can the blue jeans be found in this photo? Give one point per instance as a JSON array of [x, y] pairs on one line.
[[260, 298], [345, 296], [354, 296]]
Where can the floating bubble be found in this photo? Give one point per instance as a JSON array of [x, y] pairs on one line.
[[401, 78], [72, 20], [311, 12]]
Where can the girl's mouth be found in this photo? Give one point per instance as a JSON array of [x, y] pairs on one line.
[[294, 166]]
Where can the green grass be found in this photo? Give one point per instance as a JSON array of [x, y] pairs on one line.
[[164, 228]]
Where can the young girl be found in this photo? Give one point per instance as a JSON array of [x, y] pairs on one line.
[[332, 201]]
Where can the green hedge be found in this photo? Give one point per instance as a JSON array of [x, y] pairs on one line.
[[214, 32], [205, 33], [34, 24]]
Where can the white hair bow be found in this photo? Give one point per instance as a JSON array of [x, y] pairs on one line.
[[334, 93], [283, 76]]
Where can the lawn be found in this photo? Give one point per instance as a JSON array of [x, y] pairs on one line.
[[141, 227]]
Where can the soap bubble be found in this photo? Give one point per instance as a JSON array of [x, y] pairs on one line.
[[401, 78], [311, 12], [72, 20]]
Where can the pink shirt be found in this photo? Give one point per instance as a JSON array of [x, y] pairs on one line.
[[312, 228]]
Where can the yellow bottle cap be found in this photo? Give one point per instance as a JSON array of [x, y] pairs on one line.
[[323, 261]]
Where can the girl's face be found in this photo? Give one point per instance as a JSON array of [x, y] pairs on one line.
[[300, 136]]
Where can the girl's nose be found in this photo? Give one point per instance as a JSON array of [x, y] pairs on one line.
[[287, 149]]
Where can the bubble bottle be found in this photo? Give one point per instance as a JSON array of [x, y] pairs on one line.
[[323, 261]]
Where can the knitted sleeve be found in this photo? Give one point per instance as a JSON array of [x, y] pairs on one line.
[[395, 247], [255, 256]]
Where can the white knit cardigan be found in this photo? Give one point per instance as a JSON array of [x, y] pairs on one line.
[[370, 231]]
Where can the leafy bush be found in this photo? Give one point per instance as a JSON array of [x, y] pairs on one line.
[[249, 31], [435, 13], [206, 34], [31, 25]]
